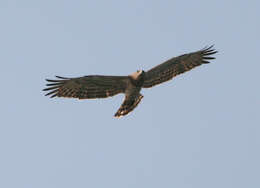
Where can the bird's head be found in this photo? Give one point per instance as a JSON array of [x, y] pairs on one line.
[[138, 77], [138, 74]]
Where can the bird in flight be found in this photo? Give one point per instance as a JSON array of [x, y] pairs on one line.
[[101, 86]]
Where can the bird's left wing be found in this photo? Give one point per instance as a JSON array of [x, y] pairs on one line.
[[87, 87], [176, 66]]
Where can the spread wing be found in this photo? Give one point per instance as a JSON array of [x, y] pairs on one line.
[[86, 87], [177, 65]]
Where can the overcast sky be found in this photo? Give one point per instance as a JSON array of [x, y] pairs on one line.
[[199, 130]]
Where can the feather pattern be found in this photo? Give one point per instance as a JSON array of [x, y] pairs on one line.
[[86, 87], [129, 104], [177, 65]]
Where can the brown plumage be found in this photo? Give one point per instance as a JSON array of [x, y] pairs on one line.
[[100, 86], [177, 65], [87, 87]]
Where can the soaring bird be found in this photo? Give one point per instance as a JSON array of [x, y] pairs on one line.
[[101, 86]]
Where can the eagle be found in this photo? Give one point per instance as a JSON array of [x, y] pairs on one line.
[[102, 86]]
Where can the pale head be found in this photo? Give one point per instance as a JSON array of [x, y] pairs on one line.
[[137, 74]]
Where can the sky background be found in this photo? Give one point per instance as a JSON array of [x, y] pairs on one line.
[[199, 130]]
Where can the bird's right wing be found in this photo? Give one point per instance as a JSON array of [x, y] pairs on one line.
[[176, 66], [87, 87]]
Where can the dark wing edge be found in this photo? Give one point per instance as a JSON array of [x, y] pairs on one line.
[[87, 87], [178, 65]]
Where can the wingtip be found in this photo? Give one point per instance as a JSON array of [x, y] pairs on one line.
[[60, 77], [206, 48], [52, 96], [209, 51], [48, 80], [55, 95]]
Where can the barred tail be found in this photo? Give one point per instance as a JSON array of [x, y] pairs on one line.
[[129, 104]]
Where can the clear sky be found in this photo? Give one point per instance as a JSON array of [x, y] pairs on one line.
[[199, 130]]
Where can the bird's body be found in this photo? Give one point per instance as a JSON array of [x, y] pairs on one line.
[[100, 86]]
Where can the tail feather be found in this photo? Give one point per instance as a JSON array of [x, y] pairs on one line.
[[128, 105]]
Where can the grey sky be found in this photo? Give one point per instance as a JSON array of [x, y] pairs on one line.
[[199, 130]]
